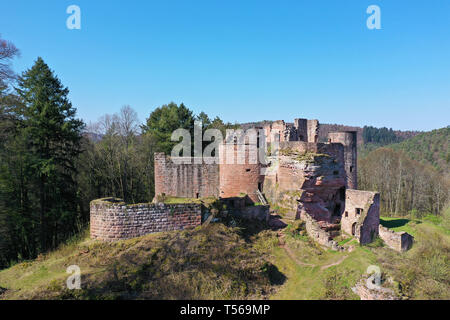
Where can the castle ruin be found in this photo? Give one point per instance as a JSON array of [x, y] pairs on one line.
[[303, 178]]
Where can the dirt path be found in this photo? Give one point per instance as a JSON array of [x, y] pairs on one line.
[[334, 263]]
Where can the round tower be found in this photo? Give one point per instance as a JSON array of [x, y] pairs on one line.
[[348, 140], [239, 171]]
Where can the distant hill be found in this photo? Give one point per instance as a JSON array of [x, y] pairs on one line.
[[429, 147]]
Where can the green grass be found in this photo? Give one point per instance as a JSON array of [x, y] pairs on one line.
[[399, 224], [412, 226], [211, 262], [344, 241], [305, 282], [179, 200], [310, 283], [422, 272], [244, 262]]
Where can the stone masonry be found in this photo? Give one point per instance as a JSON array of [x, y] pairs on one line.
[[362, 215], [113, 220], [318, 234], [186, 180], [239, 175], [399, 241]]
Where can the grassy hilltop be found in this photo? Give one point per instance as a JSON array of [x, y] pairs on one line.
[[224, 262]]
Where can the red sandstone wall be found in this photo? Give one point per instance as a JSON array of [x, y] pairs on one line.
[[237, 178], [187, 180], [111, 221]]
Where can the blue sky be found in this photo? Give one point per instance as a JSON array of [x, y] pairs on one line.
[[246, 60]]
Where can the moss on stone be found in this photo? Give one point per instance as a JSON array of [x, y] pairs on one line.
[[303, 156]]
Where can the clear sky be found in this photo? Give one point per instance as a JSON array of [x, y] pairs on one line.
[[246, 60]]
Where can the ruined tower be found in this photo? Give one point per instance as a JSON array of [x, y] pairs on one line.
[[302, 129], [348, 140], [307, 130], [313, 130]]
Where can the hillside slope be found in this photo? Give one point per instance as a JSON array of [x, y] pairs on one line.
[[429, 147], [210, 262], [220, 262]]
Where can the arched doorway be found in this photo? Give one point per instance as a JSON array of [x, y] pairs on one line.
[[353, 229]]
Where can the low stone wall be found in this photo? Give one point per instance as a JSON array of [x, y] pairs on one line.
[[318, 234], [113, 220], [379, 293], [399, 241]]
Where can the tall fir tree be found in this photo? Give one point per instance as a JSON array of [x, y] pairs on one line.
[[53, 136]]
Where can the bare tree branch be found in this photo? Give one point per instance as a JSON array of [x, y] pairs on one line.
[[8, 51]]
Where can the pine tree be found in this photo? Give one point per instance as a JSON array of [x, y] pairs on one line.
[[53, 137]]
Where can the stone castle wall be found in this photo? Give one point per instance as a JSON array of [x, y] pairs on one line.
[[112, 220], [349, 140], [186, 180], [240, 172], [361, 217], [399, 241]]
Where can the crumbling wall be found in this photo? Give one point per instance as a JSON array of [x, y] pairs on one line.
[[113, 220], [361, 217], [399, 241], [186, 180], [285, 131], [318, 234], [301, 130], [307, 177], [313, 131]]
